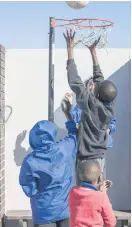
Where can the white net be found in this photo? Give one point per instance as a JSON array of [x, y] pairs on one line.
[[89, 30], [93, 34]]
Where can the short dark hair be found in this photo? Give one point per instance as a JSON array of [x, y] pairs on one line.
[[89, 171], [106, 91]]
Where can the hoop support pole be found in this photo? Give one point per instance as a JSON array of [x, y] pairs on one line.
[[51, 70]]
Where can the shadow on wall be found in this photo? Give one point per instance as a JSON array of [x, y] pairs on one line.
[[118, 164], [21, 152], [60, 119]]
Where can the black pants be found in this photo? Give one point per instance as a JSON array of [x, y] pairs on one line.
[[62, 223]]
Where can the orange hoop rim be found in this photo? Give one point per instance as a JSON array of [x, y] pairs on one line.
[[76, 22]]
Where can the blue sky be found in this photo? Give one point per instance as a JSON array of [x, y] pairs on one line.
[[26, 24]]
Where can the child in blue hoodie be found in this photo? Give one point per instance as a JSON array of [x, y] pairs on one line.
[[46, 175]]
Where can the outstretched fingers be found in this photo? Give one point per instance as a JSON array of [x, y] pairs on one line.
[[109, 183], [64, 36], [68, 35], [73, 36]]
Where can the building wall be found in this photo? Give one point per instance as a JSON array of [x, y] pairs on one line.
[[119, 158], [27, 94]]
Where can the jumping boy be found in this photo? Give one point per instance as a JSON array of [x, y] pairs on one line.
[[96, 104], [46, 175], [75, 113], [89, 204]]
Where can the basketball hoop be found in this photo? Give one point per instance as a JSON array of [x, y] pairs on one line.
[[88, 30]]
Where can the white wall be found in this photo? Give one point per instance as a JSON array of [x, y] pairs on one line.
[[27, 94]]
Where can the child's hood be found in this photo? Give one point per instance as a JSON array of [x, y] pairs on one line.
[[42, 135]]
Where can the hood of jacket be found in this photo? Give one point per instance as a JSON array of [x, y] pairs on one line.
[[42, 135]]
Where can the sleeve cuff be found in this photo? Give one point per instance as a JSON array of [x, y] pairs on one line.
[[70, 62], [70, 124], [96, 67]]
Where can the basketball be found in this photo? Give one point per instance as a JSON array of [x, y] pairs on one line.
[[77, 4]]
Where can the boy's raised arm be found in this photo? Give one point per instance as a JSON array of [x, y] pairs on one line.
[[74, 110], [75, 82], [70, 141], [75, 113]]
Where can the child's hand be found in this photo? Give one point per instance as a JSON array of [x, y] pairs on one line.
[[69, 97], [69, 37], [93, 46], [66, 103], [105, 185]]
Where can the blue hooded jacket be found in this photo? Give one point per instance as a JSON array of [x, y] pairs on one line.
[[76, 112], [46, 175]]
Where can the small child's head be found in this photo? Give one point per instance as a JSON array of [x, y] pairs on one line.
[[90, 172], [105, 91]]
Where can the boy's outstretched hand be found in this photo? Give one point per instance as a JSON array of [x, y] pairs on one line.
[[69, 37], [93, 46], [70, 42], [69, 97], [66, 105], [92, 49]]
